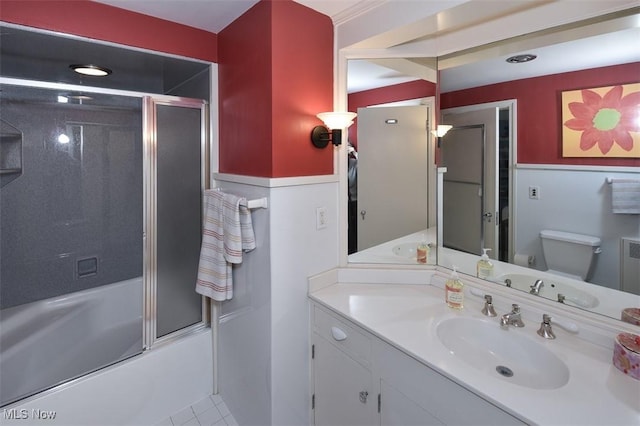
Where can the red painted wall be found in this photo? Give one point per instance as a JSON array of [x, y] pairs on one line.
[[302, 87], [275, 74], [244, 83], [397, 92], [103, 22], [539, 110]]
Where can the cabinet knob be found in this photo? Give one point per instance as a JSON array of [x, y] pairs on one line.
[[338, 334], [363, 396]]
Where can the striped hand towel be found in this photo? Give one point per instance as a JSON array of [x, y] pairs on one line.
[[625, 196], [227, 233]]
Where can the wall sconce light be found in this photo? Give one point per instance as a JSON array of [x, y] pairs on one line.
[[334, 122], [440, 131]]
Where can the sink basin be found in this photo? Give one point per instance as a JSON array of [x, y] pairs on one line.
[[552, 287], [502, 353], [405, 250]]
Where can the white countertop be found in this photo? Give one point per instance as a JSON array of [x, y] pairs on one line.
[[406, 316]]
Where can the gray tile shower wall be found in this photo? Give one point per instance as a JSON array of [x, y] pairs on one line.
[[73, 219]]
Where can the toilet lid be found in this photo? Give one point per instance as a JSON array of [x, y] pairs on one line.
[[570, 237]]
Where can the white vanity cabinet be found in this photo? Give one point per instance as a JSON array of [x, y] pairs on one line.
[[400, 390], [344, 392]]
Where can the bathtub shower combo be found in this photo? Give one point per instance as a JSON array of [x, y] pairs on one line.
[[100, 229]]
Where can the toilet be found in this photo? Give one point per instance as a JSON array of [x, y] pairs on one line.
[[568, 254]]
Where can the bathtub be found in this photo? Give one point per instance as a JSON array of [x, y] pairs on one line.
[[48, 342]]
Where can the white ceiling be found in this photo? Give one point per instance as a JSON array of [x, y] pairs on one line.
[[215, 15]]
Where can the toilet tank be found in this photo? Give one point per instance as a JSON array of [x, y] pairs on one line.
[[569, 253]]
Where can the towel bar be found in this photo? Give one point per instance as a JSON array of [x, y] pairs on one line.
[[610, 180], [258, 203]]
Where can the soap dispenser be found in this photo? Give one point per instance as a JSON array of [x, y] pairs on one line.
[[484, 267], [454, 290]]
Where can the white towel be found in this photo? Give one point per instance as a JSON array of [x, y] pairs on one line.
[[625, 196], [227, 233]]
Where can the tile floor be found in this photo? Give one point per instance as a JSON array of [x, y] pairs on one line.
[[210, 411]]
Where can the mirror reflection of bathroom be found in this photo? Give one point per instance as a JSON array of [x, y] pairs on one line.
[[533, 188], [395, 160], [526, 194]]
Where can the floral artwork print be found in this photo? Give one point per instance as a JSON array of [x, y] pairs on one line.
[[601, 122]]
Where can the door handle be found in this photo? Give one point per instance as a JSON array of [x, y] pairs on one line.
[[488, 216], [362, 213]]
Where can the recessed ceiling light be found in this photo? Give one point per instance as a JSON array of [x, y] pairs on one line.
[[519, 59], [92, 70]]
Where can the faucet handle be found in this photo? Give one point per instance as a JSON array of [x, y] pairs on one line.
[[515, 308], [488, 309], [545, 328]]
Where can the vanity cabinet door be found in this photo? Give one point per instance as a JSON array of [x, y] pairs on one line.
[[398, 409], [409, 384], [344, 393]]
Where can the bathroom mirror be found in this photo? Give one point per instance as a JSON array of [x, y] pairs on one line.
[[544, 189], [569, 208]]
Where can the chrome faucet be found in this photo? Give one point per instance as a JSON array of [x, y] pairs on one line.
[[512, 318], [545, 328], [488, 309], [535, 288]]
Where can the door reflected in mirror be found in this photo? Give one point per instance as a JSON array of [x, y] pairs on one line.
[[392, 218]]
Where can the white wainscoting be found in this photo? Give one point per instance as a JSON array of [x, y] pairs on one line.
[[264, 354]]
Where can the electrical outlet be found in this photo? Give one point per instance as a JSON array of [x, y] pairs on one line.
[[534, 192], [321, 217]]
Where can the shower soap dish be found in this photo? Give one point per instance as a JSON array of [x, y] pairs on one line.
[[626, 354]]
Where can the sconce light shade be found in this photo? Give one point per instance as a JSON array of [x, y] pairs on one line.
[[335, 122], [440, 131]]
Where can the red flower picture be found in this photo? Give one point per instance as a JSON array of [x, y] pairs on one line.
[[602, 122]]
